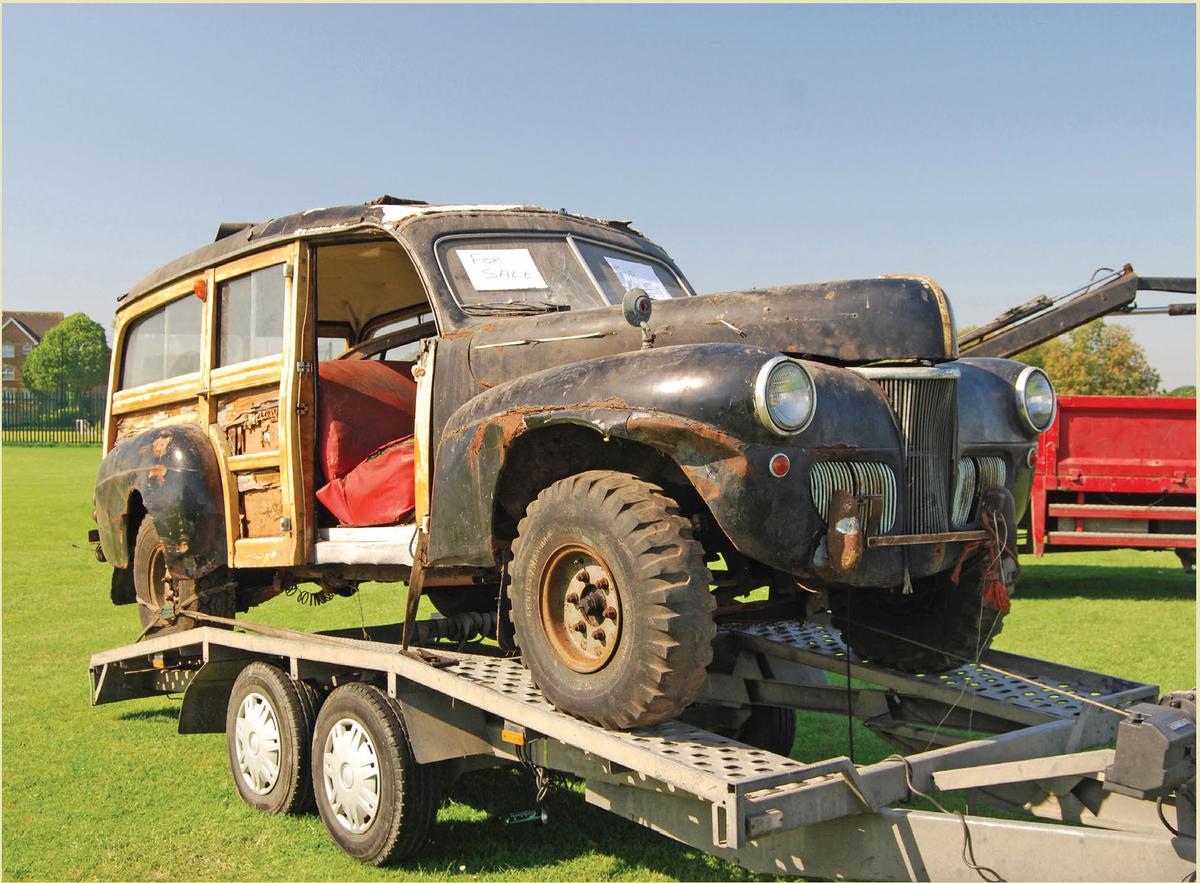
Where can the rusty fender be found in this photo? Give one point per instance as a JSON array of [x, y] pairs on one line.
[[175, 471], [693, 403]]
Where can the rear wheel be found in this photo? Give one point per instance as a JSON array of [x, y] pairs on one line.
[[160, 597], [610, 600], [940, 626], [376, 801], [268, 733]]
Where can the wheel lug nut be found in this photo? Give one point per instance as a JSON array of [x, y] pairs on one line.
[[599, 635], [572, 597], [583, 576], [602, 584], [610, 612], [581, 627]]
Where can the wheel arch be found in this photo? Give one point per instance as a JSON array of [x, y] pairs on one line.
[[512, 460], [173, 475]]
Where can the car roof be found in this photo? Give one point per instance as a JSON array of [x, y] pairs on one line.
[[386, 213]]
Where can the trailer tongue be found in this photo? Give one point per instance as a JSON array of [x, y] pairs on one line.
[[1018, 730]]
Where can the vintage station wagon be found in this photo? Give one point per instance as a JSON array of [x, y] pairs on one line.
[[531, 414]]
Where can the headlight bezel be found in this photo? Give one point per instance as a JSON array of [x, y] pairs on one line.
[[1020, 388], [763, 410]]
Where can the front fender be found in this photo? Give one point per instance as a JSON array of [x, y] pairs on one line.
[[175, 472], [695, 404]]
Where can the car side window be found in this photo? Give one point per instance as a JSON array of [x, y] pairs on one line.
[[251, 311], [163, 343]]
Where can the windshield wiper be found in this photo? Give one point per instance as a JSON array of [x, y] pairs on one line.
[[513, 307]]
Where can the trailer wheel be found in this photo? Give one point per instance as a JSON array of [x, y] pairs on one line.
[[268, 734], [770, 728], [154, 591], [610, 600], [377, 802], [937, 627]]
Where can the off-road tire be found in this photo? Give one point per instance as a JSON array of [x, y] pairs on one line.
[[409, 792], [769, 728], [659, 660], [293, 706], [939, 626], [208, 594]]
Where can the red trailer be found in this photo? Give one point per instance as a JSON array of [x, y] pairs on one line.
[[1117, 472]]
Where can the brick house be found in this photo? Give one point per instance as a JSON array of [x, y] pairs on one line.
[[22, 332]]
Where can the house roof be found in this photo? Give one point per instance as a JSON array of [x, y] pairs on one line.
[[33, 324]]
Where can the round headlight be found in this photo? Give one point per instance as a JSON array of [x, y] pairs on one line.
[[1035, 398], [784, 396]]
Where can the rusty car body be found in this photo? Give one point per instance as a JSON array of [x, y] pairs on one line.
[[892, 499]]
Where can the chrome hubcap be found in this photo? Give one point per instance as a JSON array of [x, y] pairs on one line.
[[351, 774], [256, 740]]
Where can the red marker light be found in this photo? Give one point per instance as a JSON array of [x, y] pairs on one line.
[[200, 289], [1032, 458], [779, 465]]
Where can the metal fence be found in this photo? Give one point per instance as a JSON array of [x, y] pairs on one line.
[[57, 418]]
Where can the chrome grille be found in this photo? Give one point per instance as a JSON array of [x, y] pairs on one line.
[[926, 410], [992, 472], [972, 476], [856, 478]]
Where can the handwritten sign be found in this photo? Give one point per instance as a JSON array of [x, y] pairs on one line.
[[633, 274], [500, 269]]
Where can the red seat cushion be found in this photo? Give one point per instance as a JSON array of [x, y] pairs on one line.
[[379, 490], [363, 403]]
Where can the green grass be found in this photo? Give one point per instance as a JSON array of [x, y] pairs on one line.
[[114, 793]]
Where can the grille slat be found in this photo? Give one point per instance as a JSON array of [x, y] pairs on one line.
[[927, 414]]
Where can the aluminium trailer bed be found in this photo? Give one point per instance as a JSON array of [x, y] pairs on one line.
[[1038, 727]]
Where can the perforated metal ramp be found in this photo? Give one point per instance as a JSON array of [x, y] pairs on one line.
[[1054, 694]]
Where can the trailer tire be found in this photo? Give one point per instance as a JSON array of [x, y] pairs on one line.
[[376, 801], [271, 714], [769, 728], [940, 626], [208, 594], [648, 593]]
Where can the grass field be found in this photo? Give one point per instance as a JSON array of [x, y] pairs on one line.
[[113, 793]]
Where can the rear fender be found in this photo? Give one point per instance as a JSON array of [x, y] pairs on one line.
[[175, 472]]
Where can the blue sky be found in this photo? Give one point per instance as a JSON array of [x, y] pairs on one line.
[[1006, 151]]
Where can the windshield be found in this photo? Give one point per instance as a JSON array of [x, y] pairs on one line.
[[548, 273]]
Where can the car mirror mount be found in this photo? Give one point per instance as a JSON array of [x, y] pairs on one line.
[[638, 306]]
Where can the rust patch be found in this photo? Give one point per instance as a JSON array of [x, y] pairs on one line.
[[701, 436], [160, 445], [831, 451], [455, 335], [158, 473]]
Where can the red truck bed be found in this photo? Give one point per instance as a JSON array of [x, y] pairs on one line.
[[1117, 472]]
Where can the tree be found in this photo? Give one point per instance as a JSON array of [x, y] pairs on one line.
[[1182, 392], [72, 357], [1095, 359]]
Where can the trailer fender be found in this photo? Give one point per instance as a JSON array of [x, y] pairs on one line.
[[173, 472]]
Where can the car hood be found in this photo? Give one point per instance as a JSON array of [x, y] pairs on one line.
[[852, 322]]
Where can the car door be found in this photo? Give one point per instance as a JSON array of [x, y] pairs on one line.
[[258, 379]]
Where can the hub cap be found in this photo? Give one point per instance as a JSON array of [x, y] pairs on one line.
[[581, 608], [351, 774], [256, 739]]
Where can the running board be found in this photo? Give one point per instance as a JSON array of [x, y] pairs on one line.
[[366, 545]]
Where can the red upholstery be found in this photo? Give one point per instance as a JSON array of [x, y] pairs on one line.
[[379, 490], [363, 404]]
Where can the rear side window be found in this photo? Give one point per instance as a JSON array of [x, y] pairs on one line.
[[251, 310], [163, 343]]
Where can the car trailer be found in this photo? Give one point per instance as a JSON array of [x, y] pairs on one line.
[[1030, 735]]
